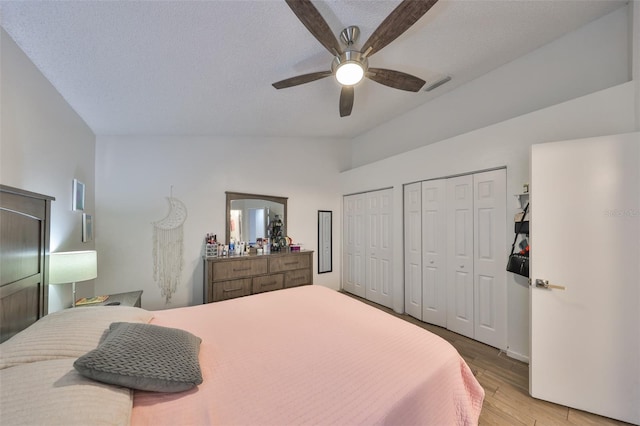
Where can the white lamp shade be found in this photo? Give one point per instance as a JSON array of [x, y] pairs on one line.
[[72, 266]]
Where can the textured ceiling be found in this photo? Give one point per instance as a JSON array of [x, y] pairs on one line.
[[206, 67]]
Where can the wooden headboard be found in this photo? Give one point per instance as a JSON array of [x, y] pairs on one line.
[[24, 258]]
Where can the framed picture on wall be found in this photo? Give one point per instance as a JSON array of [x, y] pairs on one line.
[[87, 227], [78, 195]]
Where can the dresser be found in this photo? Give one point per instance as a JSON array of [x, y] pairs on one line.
[[237, 276], [24, 258]]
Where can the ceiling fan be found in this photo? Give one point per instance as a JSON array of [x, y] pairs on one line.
[[350, 66]]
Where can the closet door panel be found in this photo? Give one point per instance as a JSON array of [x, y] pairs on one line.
[[489, 258], [463, 250], [413, 249], [386, 248], [463, 303], [460, 291], [372, 258], [434, 240], [485, 306], [378, 247], [353, 278]]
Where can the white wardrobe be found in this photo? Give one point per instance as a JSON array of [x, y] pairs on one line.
[[367, 251], [455, 254]]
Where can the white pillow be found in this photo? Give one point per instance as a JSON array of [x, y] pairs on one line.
[[54, 393], [70, 333]]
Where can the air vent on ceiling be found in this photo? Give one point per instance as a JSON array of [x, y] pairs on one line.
[[437, 84]]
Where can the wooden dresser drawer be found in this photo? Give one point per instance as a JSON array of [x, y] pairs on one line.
[[268, 283], [224, 290], [289, 263], [239, 268], [297, 278], [237, 276]]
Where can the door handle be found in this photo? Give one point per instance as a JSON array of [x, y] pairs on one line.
[[545, 284]]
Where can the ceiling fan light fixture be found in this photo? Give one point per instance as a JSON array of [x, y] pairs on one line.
[[349, 73], [349, 68]]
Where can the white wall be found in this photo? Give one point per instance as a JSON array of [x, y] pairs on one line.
[[135, 174], [592, 58], [507, 144], [44, 145]]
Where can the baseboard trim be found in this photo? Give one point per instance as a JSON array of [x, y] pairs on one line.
[[518, 356]]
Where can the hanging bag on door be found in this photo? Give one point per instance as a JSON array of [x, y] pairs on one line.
[[519, 263]]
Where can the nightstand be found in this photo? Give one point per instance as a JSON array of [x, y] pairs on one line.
[[132, 298]]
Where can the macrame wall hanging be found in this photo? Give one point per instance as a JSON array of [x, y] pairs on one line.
[[168, 246]]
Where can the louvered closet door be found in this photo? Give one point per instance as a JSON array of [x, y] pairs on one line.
[[378, 253], [490, 295], [353, 275], [413, 249], [460, 315], [434, 252]]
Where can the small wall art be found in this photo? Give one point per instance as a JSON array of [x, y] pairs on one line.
[[78, 195], [87, 227]]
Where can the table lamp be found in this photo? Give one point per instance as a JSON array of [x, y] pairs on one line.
[[71, 267]]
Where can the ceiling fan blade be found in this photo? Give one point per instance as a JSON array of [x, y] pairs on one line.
[[395, 79], [301, 79], [346, 101], [315, 23], [400, 20]]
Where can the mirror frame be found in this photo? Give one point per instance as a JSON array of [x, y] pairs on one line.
[[245, 196], [325, 227]]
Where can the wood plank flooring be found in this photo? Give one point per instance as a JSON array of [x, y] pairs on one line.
[[506, 383]]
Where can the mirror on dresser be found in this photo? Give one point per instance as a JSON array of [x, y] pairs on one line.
[[249, 216]]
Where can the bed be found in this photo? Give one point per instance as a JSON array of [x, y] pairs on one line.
[[305, 355]]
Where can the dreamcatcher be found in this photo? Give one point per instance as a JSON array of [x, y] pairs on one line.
[[168, 247]]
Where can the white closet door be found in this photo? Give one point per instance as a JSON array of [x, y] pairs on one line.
[[353, 278], [378, 253], [413, 249], [490, 288], [434, 252], [460, 317]]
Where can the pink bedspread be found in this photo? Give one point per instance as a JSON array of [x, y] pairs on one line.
[[310, 355]]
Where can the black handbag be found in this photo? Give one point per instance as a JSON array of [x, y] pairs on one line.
[[519, 263]]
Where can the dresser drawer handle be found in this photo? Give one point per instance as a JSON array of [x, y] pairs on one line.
[[242, 269], [291, 263], [228, 290], [268, 284], [297, 279]]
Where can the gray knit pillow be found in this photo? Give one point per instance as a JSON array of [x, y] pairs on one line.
[[145, 357]]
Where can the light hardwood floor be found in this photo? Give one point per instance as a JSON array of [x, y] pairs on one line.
[[506, 383]]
